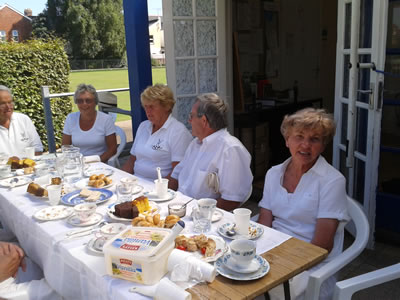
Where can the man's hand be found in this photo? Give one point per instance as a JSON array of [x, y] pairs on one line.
[[11, 258]]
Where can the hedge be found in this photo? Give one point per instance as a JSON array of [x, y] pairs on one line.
[[24, 68]]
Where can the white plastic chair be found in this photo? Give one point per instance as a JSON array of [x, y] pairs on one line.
[[113, 161], [346, 288], [362, 234]]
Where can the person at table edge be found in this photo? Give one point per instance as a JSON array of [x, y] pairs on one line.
[[92, 131], [160, 141], [16, 129], [216, 164], [305, 196]]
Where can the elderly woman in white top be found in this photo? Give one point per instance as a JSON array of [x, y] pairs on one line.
[[305, 196], [91, 130], [160, 141], [16, 129]]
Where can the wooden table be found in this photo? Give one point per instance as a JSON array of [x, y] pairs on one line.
[[287, 260]]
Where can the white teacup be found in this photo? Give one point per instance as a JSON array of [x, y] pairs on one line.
[[130, 181], [5, 170], [85, 211], [243, 251]]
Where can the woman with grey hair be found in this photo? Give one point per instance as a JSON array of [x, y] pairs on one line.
[[92, 131], [17, 131]]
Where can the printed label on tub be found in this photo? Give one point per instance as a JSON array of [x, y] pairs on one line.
[[127, 269], [140, 240]]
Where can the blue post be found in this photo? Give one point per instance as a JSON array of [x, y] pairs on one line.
[[138, 54], [48, 119]]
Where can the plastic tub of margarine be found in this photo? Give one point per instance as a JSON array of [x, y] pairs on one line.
[[139, 254]]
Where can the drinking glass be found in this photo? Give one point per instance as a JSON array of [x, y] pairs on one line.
[[202, 216], [54, 194], [124, 193]]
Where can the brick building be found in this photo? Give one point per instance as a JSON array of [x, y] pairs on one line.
[[15, 25]]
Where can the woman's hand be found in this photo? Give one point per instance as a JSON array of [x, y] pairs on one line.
[[130, 163], [325, 231], [11, 258], [111, 142]]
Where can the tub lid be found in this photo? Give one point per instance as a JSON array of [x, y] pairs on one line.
[[139, 241]]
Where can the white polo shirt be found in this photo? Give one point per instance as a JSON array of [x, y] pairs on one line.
[[160, 149], [21, 134], [223, 154], [92, 141], [321, 193]]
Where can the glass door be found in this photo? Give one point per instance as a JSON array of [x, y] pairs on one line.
[[361, 40], [194, 34]]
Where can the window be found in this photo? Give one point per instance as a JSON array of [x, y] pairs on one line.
[[15, 35], [151, 40], [2, 35]]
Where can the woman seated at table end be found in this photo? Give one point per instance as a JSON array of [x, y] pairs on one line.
[[160, 141], [92, 131], [305, 196]]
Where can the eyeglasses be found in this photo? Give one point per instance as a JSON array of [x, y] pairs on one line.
[[86, 100], [5, 104], [190, 116]]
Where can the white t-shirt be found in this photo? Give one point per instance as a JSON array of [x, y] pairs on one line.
[[321, 193], [92, 141], [159, 149], [223, 154], [21, 134]]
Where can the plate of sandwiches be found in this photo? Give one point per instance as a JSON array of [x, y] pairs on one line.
[[86, 195], [96, 181]]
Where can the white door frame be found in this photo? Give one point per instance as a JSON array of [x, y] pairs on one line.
[[374, 107]]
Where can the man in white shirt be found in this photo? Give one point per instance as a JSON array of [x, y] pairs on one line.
[[16, 129], [216, 164]]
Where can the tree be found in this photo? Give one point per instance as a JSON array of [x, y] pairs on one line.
[[93, 28], [40, 27]]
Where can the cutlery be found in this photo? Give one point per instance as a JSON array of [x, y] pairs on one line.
[[231, 231], [184, 205], [75, 232], [13, 182]]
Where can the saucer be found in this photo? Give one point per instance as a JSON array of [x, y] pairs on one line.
[[228, 273], [253, 266], [75, 221], [95, 245], [153, 196], [137, 189], [217, 215], [255, 231]]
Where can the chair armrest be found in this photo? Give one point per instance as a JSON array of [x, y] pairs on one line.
[[346, 288]]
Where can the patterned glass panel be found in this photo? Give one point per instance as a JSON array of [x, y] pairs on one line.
[[346, 76], [185, 77], [359, 180], [364, 79], [362, 128], [347, 26], [184, 107], [205, 8], [206, 38], [208, 75], [343, 134], [184, 38], [181, 8]]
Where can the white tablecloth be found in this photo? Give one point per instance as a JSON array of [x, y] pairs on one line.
[[68, 267]]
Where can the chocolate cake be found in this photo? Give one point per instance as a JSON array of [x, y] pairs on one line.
[[126, 210]]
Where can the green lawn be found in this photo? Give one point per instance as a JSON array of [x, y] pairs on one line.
[[108, 79]]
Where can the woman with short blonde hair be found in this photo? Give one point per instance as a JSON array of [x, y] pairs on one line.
[[160, 141]]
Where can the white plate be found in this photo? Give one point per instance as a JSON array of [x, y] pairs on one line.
[[137, 189], [21, 181], [97, 171], [217, 215], [252, 267], [53, 213], [83, 183], [255, 231], [75, 221], [112, 229], [111, 209], [95, 245], [220, 248], [153, 196], [74, 198], [226, 272]]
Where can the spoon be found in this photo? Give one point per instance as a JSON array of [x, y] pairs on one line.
[[231, 231], [13, 182], [72, 233], [184, 205]]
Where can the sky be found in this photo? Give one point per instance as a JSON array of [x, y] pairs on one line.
[[37, 6]]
